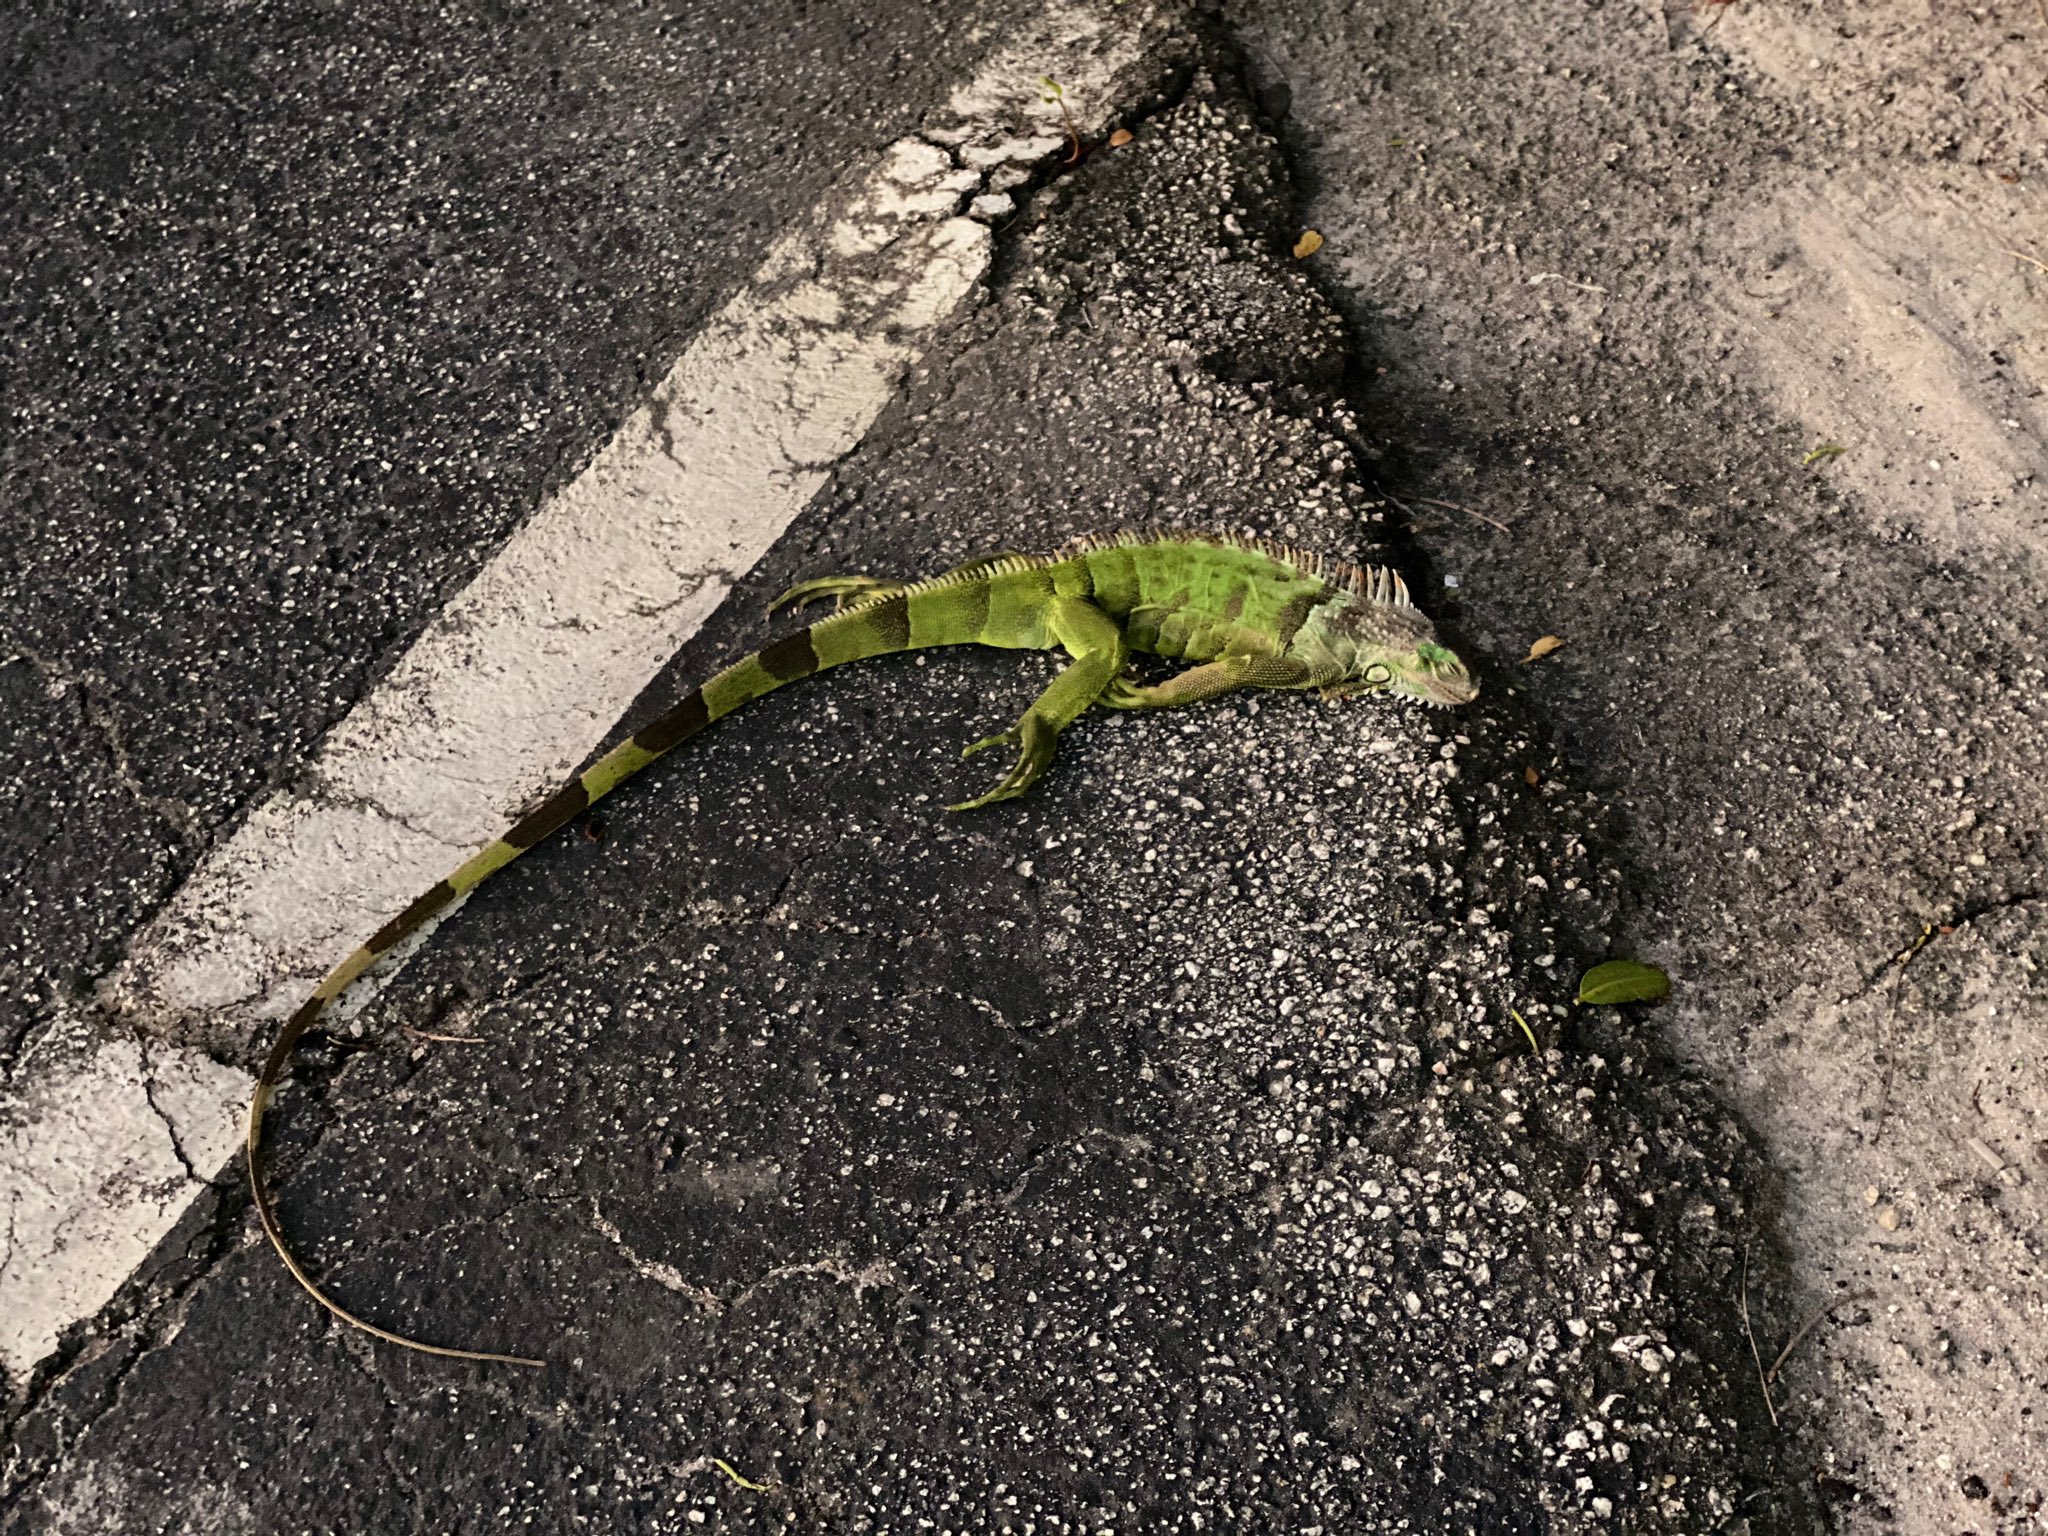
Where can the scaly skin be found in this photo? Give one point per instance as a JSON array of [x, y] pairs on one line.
[[1249, 614]]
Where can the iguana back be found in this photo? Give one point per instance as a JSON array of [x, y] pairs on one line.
[[1248, 613]]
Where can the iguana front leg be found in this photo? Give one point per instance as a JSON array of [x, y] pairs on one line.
[[1207, 681], [1096, 643]]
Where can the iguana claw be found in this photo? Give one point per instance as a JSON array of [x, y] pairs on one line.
[[1123, 692], [1034, 741]]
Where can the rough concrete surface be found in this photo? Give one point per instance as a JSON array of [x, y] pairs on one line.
[[1154, 1154], [1159, 1153], [1614, 274]]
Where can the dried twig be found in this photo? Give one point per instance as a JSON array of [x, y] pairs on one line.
[[2022, 255], [1387, 495], [1763, 1377], [423, 1034], [2001, 1170], [1431, 501], [1807, 1327]]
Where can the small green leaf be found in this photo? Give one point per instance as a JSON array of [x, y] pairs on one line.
[[1052, 89], [745, 1482], [1824, 451], [1624, 981], [1526, 1030]]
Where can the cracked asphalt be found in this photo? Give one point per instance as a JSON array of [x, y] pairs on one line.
[[1156, 1153], [312, 310]]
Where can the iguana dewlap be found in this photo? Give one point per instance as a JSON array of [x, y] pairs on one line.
[[1247, 613]]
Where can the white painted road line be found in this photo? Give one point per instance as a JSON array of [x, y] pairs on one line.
[[516, 682], [98, 1152], [523, 674]]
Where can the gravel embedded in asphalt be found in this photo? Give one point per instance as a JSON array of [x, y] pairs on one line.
[[1154, 1153]]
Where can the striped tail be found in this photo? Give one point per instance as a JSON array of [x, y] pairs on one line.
[[876, 628]]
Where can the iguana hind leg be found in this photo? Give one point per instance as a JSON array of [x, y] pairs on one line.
[[840, 589], [1095, 642], [861, 589], [1207, 681]]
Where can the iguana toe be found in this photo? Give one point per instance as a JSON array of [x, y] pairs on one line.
[[1007, 738], [1122, 693], [1034, 742]]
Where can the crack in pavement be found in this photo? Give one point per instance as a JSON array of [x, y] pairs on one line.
[[181, 818], [149, 1092], [880, 1272], [14, 1198], [1940, 927], [321, 791], [667, 1276], [160, 1309]]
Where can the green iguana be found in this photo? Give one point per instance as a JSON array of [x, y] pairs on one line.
[[1248, 613]]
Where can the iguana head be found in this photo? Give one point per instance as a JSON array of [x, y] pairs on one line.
[[1386, 644], [1425, 671]]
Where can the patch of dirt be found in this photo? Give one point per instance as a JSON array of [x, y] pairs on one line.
[[1890, 294], [1920, 1193]]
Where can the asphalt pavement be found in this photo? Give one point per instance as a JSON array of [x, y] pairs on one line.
[[1159, 1152], [310, 308]]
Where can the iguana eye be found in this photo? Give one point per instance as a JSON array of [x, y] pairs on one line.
[[1378, 675]]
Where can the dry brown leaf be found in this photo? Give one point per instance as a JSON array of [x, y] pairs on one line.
[[1309, 243], [1531, 777], [1543, 648], [1120, 138]]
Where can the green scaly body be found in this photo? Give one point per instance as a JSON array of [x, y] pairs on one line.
[[1247, 613]]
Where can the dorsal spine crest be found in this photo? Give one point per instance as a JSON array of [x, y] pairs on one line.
[[1376, 583]]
